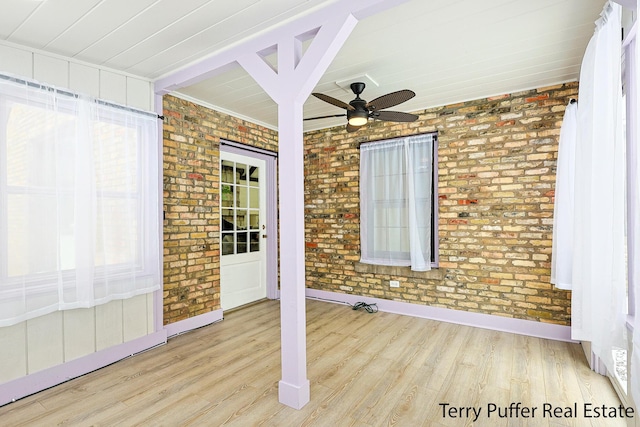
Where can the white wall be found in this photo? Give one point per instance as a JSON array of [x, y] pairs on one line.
[[60, 337], [78, 77]]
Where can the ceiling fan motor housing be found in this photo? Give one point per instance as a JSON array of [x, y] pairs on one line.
[[357, 87]]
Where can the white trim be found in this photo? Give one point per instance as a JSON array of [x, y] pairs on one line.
[[41, 380], [186, 325], [478, 320], [158, 296], [271, 161], [240, 148]]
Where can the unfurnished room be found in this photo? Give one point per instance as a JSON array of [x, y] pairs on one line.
[[319, 213]]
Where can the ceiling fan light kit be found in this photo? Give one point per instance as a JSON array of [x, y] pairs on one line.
[[358, 117], [359, 111]]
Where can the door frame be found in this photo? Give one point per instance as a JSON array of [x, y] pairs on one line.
[[271, 174]]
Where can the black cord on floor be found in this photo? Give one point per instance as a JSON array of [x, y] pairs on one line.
[[370, 308]]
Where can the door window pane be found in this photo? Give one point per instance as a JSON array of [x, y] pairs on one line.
[[226, 173], [227, 244], [241, 196], [227, 220], [254, 198], [241, 174], [255, 241], [241, 246], [227, 195], [254, 218], [254, 176], [241, 220]]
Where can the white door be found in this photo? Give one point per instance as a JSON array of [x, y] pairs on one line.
[[243, 267]]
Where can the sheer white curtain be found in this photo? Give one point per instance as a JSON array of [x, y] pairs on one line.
[[562, 251], [395, 202], [78, 202], [598, 300], [633, 232]]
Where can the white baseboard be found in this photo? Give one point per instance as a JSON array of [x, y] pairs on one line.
[[478, 320], [41, 380], [191, 323]]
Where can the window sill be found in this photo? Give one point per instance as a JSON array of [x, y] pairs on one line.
[[388, 270]]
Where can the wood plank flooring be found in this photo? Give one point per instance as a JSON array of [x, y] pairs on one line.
[[365, 370]]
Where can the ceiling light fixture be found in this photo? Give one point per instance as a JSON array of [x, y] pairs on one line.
[[358, 117]]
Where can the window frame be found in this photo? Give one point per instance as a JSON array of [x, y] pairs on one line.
[[435, 241]]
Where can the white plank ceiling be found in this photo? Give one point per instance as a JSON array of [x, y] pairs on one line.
[[445, 50]]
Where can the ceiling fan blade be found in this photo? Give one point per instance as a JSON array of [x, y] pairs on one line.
[[390, 99], [325, 117], [351, 128], [331, 100], [394, 116]]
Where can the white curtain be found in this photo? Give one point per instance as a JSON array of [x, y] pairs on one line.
[[79, 201], [633, 201], [395, 202], [562, 251], [598, 301]]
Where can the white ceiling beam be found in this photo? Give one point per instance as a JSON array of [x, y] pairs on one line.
[[629, 4], [226, 59], [289, 86]]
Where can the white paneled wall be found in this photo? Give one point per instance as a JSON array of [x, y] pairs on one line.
[[60, 337], [78, 77]]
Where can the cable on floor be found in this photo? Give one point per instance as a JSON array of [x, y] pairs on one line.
[[370, 308]]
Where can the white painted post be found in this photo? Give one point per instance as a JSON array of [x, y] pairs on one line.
[[294, 387], [289, 87]]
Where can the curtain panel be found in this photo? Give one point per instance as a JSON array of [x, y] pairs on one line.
[[633, 211], [562, 246], [395, 202], [79, 200], [598, 307]]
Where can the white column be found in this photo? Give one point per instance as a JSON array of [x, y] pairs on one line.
[[289, 86], [294, 387]]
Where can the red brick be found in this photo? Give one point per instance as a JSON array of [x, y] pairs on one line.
[[196, 176], [537, 98]]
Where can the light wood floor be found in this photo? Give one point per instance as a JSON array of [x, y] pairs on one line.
[[365, 370]]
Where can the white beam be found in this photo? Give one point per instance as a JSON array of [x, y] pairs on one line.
[[225, 60], [296, 76], [293, 389], [289, 86], [629, 4]]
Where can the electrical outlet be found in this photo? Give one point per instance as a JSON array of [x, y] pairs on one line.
[[394, 284]]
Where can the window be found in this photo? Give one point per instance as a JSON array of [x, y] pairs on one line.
[[79, 223], [397, 202]]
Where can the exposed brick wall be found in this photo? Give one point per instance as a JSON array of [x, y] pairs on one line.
[[497, 160], [191, 153], [496, 180]]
